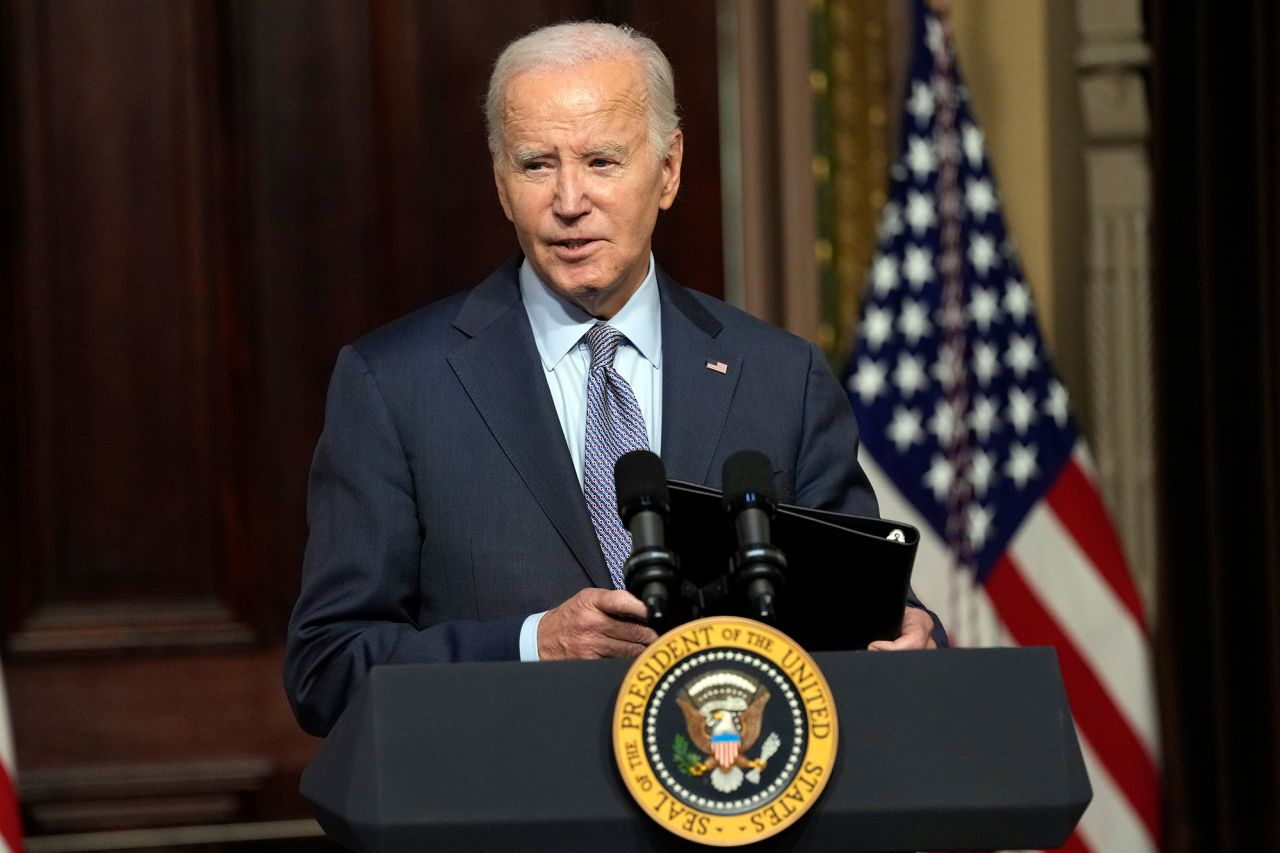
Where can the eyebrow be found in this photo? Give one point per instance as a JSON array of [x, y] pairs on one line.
[[613, 150], [521, 156]]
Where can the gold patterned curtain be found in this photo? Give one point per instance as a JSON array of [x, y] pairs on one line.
[[858, 63]]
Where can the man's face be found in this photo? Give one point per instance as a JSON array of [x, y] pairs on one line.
[[580, 181]]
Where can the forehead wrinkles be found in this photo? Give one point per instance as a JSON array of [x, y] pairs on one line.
[[592, 131], [563, 110], [540, 102]]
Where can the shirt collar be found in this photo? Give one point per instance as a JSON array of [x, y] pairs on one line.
[[558, 324]]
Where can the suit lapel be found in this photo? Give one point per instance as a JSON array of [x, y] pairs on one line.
[[695, 396], [500, 370]]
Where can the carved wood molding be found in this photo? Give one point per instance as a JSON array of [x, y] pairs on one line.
[[76, 630], [97, 797], [1111, 62]]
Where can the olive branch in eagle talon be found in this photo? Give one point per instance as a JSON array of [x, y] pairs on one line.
[[685, 755]]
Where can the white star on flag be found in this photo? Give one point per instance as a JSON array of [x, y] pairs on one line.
[[981, 472], [980, 198], [921, 158], [1055, 405], [940, 476], [877, 327], [1021, 466], [913, 322], [909, 375], [1022, 409], [973, 146], [884, 275], [982, 418], [921, 104], [983, 308], [1021, 355], [982, 254], [943, 422], [868, 381], [1017, 300], [986, 362], [905, 429], [980, 522], [945, 370], [920, 213], [918, 267]]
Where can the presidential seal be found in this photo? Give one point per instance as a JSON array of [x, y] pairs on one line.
[[724, 731]]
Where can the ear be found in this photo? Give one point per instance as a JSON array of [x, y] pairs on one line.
[[502, 191], [671, 170]]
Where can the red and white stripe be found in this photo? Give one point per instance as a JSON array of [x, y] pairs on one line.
[[726, 752], [1063, 582], [10, 826]]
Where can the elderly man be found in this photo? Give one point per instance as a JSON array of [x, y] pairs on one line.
[[461, 496]]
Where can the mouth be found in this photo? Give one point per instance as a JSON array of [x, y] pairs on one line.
[[575, 248]]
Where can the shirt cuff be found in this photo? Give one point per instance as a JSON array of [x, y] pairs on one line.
[[529, 637]]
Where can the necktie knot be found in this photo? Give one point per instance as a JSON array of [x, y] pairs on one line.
[[603, 340]]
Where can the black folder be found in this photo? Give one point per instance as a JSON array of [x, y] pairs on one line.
[[847, 575]]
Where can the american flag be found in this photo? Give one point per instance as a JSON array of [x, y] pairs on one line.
[[10, 827], [967, 434]]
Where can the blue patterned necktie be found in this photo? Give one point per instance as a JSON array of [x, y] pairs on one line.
[[615, 425]]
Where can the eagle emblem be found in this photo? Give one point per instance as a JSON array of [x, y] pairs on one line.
[[723, 714]]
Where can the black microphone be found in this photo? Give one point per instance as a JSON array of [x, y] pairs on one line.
[[644, 504], [749, 501]]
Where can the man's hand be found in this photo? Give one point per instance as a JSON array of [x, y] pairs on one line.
[[595, 623], [917, 633]]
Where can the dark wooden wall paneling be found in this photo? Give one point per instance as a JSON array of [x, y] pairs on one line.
[[206, 199], [123, 429]]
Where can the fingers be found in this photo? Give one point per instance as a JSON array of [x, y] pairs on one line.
[[619, 603], [626, 631], [917, 633], [594, 623]]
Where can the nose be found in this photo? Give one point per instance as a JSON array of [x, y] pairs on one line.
[[571, 200]]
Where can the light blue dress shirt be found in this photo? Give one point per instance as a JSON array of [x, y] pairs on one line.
[[559, 331]]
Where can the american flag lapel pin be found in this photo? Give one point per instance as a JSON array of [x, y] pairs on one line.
[[718, 366]]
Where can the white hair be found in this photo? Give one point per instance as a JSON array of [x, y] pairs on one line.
[[576, 43]]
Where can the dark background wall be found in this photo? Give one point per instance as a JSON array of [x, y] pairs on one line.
[[1216, 245], [202, 201]]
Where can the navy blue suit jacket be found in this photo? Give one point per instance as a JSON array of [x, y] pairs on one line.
[[443, 504]]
